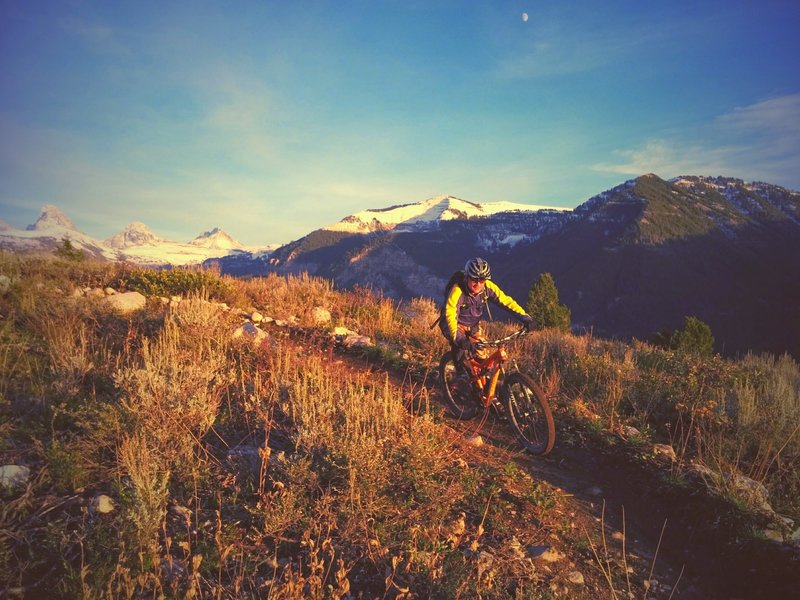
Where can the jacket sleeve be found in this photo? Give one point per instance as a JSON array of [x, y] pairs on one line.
[[503, 299], [451, 313]]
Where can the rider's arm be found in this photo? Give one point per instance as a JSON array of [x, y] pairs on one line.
[[451, 314], [503, 299]]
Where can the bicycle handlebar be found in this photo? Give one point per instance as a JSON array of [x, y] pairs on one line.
[[499, 342]]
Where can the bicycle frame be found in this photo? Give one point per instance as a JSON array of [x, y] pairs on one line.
[[488, 370]]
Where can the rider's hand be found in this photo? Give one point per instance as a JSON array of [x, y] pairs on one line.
[[465, 345], [528, 323]]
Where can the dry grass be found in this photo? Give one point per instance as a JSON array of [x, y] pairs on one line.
[[338, 487]]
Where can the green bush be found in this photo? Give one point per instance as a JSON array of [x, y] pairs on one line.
[[175, 282], [694, 338], [544, 307]]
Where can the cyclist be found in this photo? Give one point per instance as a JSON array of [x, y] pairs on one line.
[[466, 295]]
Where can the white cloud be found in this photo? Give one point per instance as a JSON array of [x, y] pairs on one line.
[[759, 141]]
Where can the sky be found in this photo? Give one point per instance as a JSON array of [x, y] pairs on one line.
[[271, 119]]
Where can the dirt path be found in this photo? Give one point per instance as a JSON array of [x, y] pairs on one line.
[[671, 536]]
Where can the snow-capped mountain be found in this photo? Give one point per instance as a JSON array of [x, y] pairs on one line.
[[426, 214], [216, 239], [134, 234], [136, 243], [51, 218]]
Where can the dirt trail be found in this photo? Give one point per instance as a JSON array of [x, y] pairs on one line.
[[679, 528]]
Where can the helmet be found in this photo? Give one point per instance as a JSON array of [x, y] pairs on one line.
[[477, 268]]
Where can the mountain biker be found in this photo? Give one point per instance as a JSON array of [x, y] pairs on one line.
[[463, 308]]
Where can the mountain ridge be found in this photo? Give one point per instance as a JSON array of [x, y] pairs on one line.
[[135, 243], [630, 261]]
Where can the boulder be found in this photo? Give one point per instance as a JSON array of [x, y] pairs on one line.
[[126, 302], [109, 291], [249, 331], [256, 317]]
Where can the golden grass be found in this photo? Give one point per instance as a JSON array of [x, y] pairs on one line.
[[350, 489]]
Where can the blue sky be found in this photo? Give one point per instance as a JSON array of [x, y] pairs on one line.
[[270, 119]]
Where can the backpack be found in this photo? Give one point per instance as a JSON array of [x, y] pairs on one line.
[[456, 278]]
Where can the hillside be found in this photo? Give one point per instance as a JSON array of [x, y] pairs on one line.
[[275, 437], [631, 261]]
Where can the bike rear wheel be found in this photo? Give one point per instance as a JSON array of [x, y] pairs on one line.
[[457, 388], [529, 413]]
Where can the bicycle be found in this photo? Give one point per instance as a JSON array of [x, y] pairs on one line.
[[477, 384]]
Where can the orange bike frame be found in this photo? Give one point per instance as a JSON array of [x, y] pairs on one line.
[[489, 369]]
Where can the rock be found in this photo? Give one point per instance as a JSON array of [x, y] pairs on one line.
[[96, 293], [77, 293], [576, 577], [516, 548], [474, 440], [773, 535], [14, 476], [664, 451], [550, 555], [794, 539], [485, 562], [109, 291], [5, 284], [343, 332], [250, 332], [103, 504], [256, 317], [246, 460], [320, 316], [280, 323], [751, 491], [357, 341], [127, 302], [629, 431]]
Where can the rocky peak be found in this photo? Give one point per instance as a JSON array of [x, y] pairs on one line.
[[50, 218], [135, 234], [216, 238]]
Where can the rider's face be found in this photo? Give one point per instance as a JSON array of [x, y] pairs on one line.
[[475, 285]]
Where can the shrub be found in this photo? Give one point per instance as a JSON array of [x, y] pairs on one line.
[[176, 282], [544, 307]]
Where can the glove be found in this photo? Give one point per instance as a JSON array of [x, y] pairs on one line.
[[463, 349], [465, 345], [528, 323]]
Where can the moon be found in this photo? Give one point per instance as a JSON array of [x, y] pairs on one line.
[[525, 17]]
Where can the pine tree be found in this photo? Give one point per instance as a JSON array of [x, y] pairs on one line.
[[694, 338], [543, 305]]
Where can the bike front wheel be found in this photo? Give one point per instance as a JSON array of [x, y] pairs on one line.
[[529, 413], [457, 388]]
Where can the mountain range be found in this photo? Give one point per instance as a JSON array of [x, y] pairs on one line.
[[628, 262], [136, 243]]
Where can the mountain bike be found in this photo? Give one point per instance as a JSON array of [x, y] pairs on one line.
[[479, 384]]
